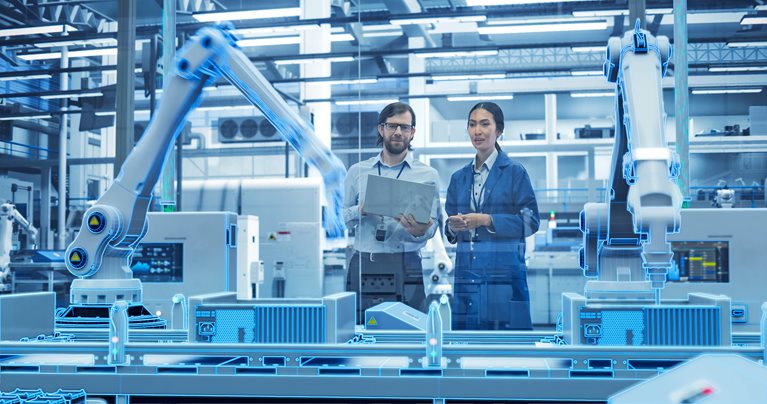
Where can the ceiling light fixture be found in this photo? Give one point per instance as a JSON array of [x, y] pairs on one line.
[[592, 94], [72, 95], [304, 61], [472, 3], [727, 91], [247, 14], [458, 54], [344, 82], [737, 69], [273, 41], [73, 54], [615, 13], [747, 44], [753, 20], [470, 77], [457, 98], [588, 49], [586, 73], [27, 77], [40, 29], [286, 30], [532, 28], [367, 102], [25, 117], [93, 42], [437, 20]]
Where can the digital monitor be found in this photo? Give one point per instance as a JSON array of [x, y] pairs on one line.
[[700, 261], [158, 262]]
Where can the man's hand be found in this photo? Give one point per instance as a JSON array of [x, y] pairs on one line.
[[411, 226]]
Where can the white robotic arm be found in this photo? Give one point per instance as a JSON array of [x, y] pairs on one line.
[[625, 242], [117, 222], [9, 215]]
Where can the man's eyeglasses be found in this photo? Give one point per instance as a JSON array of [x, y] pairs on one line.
[[392, 127]]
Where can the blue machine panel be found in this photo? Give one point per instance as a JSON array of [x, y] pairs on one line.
[[261, 324]]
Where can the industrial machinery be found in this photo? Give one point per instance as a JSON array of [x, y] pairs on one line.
[[229, 348], [113, 227], [626, 251], [8, 216]]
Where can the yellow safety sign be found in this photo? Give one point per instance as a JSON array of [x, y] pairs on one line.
[[372, 321]]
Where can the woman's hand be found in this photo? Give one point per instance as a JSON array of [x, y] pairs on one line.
[[469, 221], [474, 220], [457, 223]]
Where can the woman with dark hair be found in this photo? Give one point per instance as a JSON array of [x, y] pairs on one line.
[[492, 208]]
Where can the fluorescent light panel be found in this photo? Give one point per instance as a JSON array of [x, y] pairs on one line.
[[72, 54], [313, 60], [470, 77], [41, 29], [94, 42], [614, 13], [472, 3], [247, 14], [586, 73], [292, 29], [381, 34], [737, 69], [588, 49], [590, 95], [480, 98], [753, 20], [27, 77], [457, 54], [532, 28], [80, 95], [344, 82], [727, 91], [24, 118], [746, 44], [437, 20], [366, 102]]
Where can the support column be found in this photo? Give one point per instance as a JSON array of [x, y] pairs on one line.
[[682, 98], [316, 41], [637, 9], [550, 119], [126, 55], [45, 240], [421, 106], [61, 210], [167, 185]]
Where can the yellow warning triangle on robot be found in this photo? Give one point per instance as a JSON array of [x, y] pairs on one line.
[[372, 321], [94, 221], [75, 257]]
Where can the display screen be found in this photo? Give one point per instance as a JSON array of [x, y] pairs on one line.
[[700, 261], [158, 262]]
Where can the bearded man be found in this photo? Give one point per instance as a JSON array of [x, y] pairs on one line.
[[386, 264]]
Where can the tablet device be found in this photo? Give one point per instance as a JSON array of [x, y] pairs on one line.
[[389, 197]]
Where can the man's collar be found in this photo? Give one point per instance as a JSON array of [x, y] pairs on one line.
[[407, 160]]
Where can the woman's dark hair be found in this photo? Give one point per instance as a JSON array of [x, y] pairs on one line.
[[497, 113], [389, 111]]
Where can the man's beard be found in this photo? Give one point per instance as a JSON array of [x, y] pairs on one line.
[[398, 148]]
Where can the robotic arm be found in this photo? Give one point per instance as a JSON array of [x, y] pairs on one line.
[[625, 244], [117, 222], [8, 215]]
